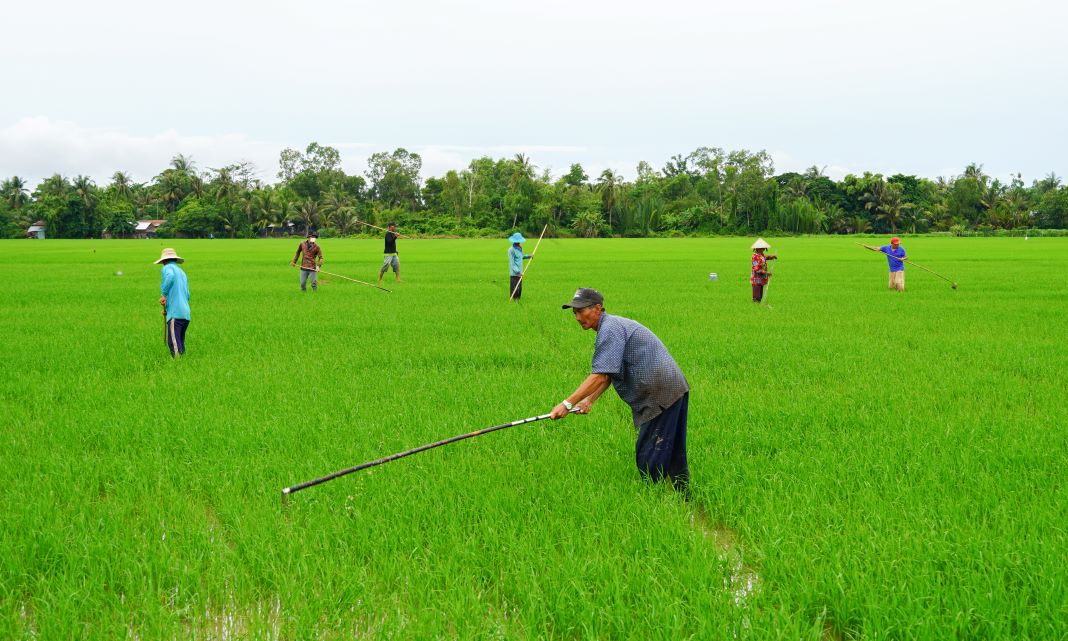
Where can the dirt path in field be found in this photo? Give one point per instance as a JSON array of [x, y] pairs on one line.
[[744, 580]]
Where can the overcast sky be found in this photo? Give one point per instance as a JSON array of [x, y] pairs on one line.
[[921, 87]]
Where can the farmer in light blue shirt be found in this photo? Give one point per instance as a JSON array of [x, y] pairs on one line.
[[515, 266], [174, 297]]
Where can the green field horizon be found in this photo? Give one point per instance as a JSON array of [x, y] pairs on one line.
[[866, 464]]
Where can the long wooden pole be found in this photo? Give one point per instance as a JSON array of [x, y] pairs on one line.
[[415, 450], [323, 271], [906, 260], [399, 235], [523, 273], [764, 294]]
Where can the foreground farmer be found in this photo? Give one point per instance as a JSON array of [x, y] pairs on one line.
[[308, 251], [894, 255], [760, 269], [515, 265], [390, 258], [174, 297], [637, 364]]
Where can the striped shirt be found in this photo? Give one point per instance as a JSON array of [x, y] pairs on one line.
[[640, 367]]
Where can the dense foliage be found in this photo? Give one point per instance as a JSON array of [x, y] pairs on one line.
[[709, 191]]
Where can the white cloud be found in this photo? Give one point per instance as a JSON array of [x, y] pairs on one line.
[[38, 147]]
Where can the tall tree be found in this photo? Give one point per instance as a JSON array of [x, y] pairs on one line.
[[610, 188], [395, 177]]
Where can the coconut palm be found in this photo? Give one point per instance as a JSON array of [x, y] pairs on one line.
[[183, 164], [85, 190], [14, 192], [171, 189], [54, 185], [308, 212], [610, 188], [263, 208], [120, 180], [884, 201]]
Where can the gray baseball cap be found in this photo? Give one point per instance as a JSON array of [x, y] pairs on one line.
[[584, 297]]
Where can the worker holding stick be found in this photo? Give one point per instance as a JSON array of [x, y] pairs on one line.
[[633, 360], [895, 256], [515, 266], [761, 274], [390, 258], [308, 252], [174, 298]]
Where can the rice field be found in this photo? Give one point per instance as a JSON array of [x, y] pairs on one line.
[[866, 465]]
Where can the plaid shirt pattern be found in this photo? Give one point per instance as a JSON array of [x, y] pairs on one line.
[[640, 367]]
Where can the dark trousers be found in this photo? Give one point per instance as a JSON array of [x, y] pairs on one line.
[[175, 335], [758, 293], [661, 448], [515, 284]]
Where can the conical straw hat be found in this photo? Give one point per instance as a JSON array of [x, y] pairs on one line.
[[761, 244], [169, 253]]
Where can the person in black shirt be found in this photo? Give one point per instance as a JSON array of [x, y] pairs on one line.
[[390, 258]]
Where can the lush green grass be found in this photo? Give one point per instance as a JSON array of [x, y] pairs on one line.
[[889, 466]]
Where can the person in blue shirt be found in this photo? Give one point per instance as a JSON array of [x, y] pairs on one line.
[[174, 297], [630, 358], [515, 265], [895, 257]]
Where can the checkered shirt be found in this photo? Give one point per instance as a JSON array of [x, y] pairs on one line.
[[642, 371]]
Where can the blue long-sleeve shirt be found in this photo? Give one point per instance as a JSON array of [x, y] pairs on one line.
[[895, 264], [175, 286], [515, 260]]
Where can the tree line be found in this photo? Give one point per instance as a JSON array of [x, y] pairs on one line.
[[709, 191]]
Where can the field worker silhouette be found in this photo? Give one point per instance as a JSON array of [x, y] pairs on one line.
[[760, 275], [631, 358], [515, 266], [390, 258], [174, 297], [894, 253], [308, 251]]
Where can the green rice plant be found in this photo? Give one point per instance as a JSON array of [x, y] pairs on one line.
[[866, 464]]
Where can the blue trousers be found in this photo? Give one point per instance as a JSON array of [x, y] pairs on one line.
[[175, 335], [661, 448]]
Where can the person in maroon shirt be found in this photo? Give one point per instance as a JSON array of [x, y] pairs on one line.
[[760, 269]]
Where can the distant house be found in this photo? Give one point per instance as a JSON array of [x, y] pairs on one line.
[[36, 230], [107, 235], [285, 229], [147, 228]]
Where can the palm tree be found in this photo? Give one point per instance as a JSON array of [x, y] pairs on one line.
[[263, 207], [54, 185], [610, 187], [796, 188], [281, 215], [884, 200], [171, 190], [84, 189], [121, 182], [141, 199], [196, 186], [522, 169], [308, 211], [14, 192], [183, 164], [1049, 183]]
